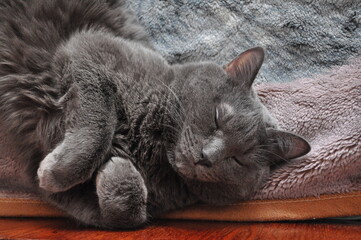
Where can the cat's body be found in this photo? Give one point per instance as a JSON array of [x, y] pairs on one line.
[[111, 132]]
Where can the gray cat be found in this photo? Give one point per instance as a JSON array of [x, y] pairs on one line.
[[111, 133]]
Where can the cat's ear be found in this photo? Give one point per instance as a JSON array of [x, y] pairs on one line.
[[245, 67], [288, 145]]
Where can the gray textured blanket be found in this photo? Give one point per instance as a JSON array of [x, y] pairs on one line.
[[302, 37]]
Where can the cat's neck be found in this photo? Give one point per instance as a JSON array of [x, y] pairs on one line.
[[152, 104], [155, 121], [149, 97]]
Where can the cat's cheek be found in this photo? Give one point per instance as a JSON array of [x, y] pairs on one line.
[[183, 166], [233, 173]]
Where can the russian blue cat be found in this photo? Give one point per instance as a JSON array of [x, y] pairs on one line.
[[111, 133]]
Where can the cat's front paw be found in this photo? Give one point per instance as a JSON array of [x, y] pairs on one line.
[[59, 172], [122, 194]]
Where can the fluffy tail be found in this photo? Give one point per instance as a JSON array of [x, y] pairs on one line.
[[27, 105]]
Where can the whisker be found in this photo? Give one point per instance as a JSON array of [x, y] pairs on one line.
[[175, 130], [272, 145], [282, 158], [175, 96]]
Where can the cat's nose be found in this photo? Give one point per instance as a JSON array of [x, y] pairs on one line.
[[204, 160]]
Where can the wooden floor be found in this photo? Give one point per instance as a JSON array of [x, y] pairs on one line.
[[67, 229]]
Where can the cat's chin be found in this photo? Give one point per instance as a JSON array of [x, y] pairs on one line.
[[207, 190], [225, 173]]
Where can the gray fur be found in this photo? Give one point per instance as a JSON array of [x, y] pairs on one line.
[[110, 132]]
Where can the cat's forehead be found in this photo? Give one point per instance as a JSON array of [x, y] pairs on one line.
[[213, 72], [214, 79], [210, 83]]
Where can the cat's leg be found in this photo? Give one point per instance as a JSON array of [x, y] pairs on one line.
[[90, 122], [122, 194], [119, 200]]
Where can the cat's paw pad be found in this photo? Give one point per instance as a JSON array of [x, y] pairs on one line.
[[55, 175], [122, 194]]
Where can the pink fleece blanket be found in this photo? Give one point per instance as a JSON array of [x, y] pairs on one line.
[[326, 110]]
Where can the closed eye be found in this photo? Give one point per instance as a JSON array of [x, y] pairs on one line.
[[237, 161], [222, 114], [247, 151], [216, 117]]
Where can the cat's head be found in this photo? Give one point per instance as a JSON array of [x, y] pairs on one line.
[[228, 140]]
